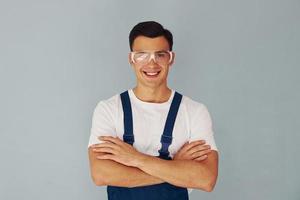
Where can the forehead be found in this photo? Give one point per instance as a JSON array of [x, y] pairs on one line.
[[142, 43]]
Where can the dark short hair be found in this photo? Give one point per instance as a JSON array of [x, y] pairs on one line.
[[150, 29]]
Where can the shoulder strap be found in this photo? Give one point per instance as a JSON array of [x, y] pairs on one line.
[[128, 136], [166, 138]]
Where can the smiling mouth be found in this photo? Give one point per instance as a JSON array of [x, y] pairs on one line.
[[151, 74]]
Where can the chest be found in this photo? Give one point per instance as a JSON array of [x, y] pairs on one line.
[[148, 126]]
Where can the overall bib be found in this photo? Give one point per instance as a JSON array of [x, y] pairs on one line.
[[162, 191]]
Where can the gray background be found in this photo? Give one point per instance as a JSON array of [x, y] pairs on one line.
[[59, 58]]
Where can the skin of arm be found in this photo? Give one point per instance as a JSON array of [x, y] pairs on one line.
[[104, 174], [183, 173], [109, 172]]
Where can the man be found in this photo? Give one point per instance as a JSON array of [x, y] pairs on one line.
[[151, 142]]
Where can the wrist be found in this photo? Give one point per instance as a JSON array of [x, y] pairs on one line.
[[141, 160]]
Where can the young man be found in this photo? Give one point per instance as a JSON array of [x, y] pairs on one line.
[[151, 142]]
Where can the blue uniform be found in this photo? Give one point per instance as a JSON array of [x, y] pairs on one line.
[[162, 191]]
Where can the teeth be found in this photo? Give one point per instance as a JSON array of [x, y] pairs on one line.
[[151, 73]]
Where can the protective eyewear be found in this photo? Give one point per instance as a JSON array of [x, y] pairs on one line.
[[159, 57]]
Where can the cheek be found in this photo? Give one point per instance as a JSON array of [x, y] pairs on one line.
[[165, 69], [136, 68]]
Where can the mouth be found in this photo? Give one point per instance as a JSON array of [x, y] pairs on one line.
[[151, 74]]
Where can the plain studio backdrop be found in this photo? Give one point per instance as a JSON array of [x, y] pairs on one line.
[[58, 59]]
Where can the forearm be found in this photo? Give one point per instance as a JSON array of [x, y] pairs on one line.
[[117, 174], [108, 172], [183, 173]]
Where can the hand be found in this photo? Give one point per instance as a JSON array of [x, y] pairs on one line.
[[117, 150], [196, 150]]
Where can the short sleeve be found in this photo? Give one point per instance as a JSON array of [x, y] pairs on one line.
[[102, 123], [201, 126]]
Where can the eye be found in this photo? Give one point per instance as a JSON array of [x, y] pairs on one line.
[[140, 55], [161, 54]]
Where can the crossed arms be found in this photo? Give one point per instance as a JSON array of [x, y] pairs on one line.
[[117, 163]]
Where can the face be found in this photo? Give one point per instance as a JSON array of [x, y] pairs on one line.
[[152, 74]]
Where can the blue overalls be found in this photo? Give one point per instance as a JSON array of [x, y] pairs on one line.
[[162, 191]]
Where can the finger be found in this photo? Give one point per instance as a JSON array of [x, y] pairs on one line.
[[105, 150], [201, 158], [200, 153], [198, 148], [183, 147], [198, 141], [192, 144], [107, 144], [105, 156], [207, 151], [101, 139], [115, 140]]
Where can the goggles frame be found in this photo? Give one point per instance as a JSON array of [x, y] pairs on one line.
[[152, 55]]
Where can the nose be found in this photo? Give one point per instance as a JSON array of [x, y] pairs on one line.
[[152, 57], [152, 61]]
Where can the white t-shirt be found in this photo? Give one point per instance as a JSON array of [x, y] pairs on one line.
[[193, 122]]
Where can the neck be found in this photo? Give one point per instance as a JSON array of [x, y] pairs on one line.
[[152, 95]]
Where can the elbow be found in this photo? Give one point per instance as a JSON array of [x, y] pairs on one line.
[[209, 187], [98, 181], [205, 187]]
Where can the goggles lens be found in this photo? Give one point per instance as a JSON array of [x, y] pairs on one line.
[[160, 57]]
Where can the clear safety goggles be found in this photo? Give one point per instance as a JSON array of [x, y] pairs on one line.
[[144, 57]]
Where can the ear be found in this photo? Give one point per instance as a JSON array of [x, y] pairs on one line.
[[173, 58], [129, 58]]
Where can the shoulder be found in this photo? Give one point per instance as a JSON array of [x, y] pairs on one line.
[[109, 104], [192, 105]]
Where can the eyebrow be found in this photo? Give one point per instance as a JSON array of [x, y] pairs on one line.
[[159, 51]]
